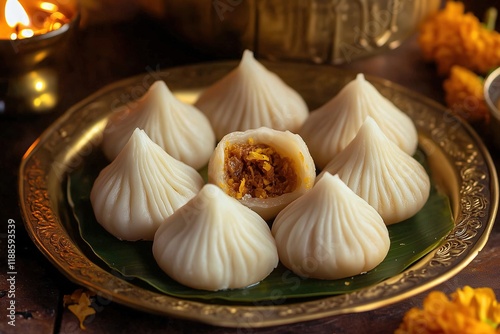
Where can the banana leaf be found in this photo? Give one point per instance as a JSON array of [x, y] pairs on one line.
[[410, 240]]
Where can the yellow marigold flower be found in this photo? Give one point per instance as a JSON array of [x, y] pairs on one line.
[[452, 37], [464, 95], [481, 301], [474, 311]]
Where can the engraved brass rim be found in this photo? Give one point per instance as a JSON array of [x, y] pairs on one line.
[[461, 165]]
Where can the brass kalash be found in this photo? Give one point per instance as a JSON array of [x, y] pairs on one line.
[[318, 31]]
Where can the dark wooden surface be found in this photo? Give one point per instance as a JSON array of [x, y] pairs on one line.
[[106, 53]]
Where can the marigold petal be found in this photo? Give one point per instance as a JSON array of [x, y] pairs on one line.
[[79, 304]]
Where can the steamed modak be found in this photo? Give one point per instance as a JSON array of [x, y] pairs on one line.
[[264, 169], [179, 128], [330, 232], [249, 97], [140, 188], [376, 169], [330, 128], [215, 243]]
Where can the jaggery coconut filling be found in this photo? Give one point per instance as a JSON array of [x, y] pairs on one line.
[[258, 171]]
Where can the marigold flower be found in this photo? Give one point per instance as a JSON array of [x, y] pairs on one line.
[[481, 301], [464, 95], [474, 311], [452, 37]]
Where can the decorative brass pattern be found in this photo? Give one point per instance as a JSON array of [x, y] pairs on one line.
[[316, 31], [78, 132]]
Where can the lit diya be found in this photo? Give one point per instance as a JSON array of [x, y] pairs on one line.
[[32, 35]]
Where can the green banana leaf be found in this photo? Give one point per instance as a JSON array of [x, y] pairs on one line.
[[410, 241]]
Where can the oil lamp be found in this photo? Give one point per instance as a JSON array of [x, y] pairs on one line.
[[33, 37]]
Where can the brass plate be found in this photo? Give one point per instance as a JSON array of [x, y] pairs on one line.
[[460, 164]]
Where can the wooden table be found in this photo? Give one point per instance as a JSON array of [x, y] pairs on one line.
[[106, 53]]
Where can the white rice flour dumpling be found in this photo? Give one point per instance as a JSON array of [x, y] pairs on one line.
[[330, 233], [249, 97], [264, 169], [179, 128], [215, 243], [141, 188], [376, 169], [331, 127]]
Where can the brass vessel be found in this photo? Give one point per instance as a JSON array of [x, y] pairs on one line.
[[318, 31]]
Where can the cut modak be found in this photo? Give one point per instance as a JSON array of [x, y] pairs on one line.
[[264, 169]]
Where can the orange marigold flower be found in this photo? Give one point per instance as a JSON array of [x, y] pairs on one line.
[[474, 311], [464, 95], [481, 302], [452, 37]]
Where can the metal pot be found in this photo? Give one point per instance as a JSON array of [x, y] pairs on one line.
[[492, 98], [319, 31]]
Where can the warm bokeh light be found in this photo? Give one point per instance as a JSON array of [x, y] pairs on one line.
[[187, 96], [49, 7], [44, 101], [26, 33], [39, 85]]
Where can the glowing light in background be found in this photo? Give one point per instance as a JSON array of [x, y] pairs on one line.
[[49, 7]]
